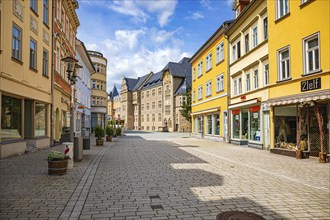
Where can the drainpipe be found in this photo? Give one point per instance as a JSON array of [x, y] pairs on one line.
[[52, 129], [228, 90]]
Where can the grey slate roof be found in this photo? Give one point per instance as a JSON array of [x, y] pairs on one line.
[[181, 69], [114, 92], [155, 80], [131, 83], [141, 80], [184, 87]]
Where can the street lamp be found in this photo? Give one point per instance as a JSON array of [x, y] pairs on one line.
[[72, 66]]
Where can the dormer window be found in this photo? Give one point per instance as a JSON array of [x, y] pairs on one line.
[[237, 12]]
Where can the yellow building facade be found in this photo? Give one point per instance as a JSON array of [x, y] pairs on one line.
[[249, 74], [210, 87], [25, 76], [299, 53]]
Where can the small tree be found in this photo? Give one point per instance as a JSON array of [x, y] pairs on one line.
[[186, 107], [99, 132]]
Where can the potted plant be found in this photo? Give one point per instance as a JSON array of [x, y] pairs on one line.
[[118, 131], [109, 131], [57, 163], [99, 134]]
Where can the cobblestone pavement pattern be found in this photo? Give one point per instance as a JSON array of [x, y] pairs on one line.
[[165, 176]]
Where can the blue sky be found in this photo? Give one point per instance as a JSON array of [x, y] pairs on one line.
[[139, 36]]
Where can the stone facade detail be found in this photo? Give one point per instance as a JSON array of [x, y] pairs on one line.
[[33, 25], [18, 9]]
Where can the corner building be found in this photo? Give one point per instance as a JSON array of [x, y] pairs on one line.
[[249, 74], [299, 42], [25, 78], [99, 94], [210, 87]]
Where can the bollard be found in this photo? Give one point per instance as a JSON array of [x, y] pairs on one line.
[[69, 151], [78, 149], [86, 143]]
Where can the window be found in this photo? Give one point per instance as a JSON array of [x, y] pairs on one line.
[[153, 117], [312, 54], [40, 120], [194, 73], [248, 82], [284, 64], [265, 28], [234, 53], [159, 116], [142, 107], [45, 14], [238, 49], [216, 120], [142, 95], [11, 118], [237, 11], [17, 43], [209, 61], [153, 105], [282, 8], [209, 124], [153, 92], [159, 91], [98, 84], [220, 83], [58, 13], [148, 94], [93, 84], [220, 52], [240, 85], [45, 62], [304, 1], [209, 88], [266, 72], [33, 54], [247, 43], [93, 101], [193, 96], [159, 104], [255, 36], [34, 5], [235, 87], [256, 79], [58, 60], [147, 106], [142, 118], [200, 92], [147, 117], [200, 68]]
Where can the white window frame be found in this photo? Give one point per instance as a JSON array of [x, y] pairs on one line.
[[265, 27], [193, 96], [256, 78], [255, 36], [279, 62], [209, 61], [209, 88], [220, 52], [200, 92], [248, 82], [266, 74], [306, 51], [200, 68], [235, 87], [234, 52], [285, 10], [220, 82], [194, 73], [247, 44], [239, 84]]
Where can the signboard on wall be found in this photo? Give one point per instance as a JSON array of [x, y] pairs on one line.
[[311, 84]]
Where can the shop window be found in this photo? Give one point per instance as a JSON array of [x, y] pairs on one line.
[[255, 123], [209, 124], [11, 118], [199, 122], [245, 124], [236, 123], [216, 124], [285, 125], [40, 120]]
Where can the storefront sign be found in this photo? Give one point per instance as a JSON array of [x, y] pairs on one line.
[[311, 84], [243, 97], [254, 108], [236, 112]]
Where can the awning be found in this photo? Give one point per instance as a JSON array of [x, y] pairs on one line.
[[245, 103], [206, 111], [298, 98]]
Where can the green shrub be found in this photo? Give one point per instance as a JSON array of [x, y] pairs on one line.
[[109, 131], [118, 131], [56, 156], [99, 132]]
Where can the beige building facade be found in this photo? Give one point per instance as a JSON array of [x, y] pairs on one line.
[[99, 94], [25, 76]]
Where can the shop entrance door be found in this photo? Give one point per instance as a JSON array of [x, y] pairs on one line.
[[225, 126], [266, 134], [28, 119]]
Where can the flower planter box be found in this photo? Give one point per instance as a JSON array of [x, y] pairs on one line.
[[57, 168]]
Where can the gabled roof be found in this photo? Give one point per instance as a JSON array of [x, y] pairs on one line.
[[181, 69], [114, 92], [142, 80], [154, 80], [184, 87], [130, 83]]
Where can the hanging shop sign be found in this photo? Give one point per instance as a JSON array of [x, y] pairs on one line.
[[311, 84], [236, 112], [254, 108]]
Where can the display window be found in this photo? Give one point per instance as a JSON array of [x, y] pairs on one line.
[[209, 124], [255, 123], [285, 126], [245, 124], [11, 118], [236, 123], [40, 121], [216, 124]]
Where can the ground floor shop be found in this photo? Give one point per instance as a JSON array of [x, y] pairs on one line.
[[211, 124], [25, 122], [249, 124], [299, 125], [83, 121], [98, 119]]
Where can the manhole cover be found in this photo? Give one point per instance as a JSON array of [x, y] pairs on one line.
[[237, 215], [154, 197]]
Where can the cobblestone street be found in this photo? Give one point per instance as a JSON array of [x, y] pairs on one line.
[[165, 176]]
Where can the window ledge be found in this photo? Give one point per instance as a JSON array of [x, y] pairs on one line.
[[34, 12], [208, 70], [305, 3], [46, 25], [282, 18], [16, 60], [208, 95], [311, 73], [284, 80], [200, 76], [221, 61], [220, 91], [46, 76]]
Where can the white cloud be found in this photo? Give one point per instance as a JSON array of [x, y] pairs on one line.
[[206, 4], [164, 9], [230, 3], [195, 16]]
